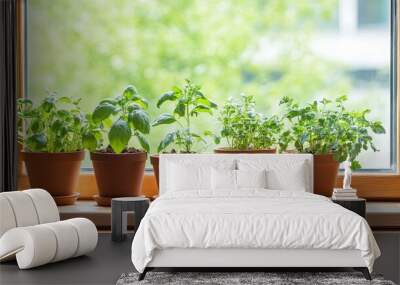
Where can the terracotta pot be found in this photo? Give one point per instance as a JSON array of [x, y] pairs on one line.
[[57, 173], [118, 175], [231, 150], [20, 169], [155, 159], [325, 174]]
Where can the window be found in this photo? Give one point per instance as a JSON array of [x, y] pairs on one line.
[[305, 49], [373, 13]]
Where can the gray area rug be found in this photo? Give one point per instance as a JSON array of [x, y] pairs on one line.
[[269, 278]]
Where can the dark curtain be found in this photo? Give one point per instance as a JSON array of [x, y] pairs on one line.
[[8, 95]]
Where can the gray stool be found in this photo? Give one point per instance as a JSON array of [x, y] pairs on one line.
[[120, 208]]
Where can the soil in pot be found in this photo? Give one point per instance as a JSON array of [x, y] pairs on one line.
[[325, 174], [57, 173], [231, 150], [118, 175]]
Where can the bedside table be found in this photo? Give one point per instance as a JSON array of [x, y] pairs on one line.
[[120, 208], [356, 205]]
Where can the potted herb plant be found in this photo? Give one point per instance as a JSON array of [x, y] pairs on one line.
[[247, 131], [189, 102], [51, 137], [109, 135], [331, 133]]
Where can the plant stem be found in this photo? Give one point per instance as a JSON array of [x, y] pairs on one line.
[[188, 143]]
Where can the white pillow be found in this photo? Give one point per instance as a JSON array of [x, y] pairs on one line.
[[183, 177], [223, 179], [293, 180], [251, 178], [283, 172]]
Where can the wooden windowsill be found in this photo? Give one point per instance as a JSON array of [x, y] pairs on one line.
[[373, 187]]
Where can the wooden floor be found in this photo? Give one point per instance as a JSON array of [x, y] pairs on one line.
[[103, 266]]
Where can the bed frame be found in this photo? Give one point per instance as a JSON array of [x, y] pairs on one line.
[[240, 259]]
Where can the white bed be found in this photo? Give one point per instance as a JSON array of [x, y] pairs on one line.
[[203, 220]]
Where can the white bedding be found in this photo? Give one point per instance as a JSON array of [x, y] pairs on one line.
[[250, 219]]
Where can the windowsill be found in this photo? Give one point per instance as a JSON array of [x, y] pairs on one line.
[[100, 216], [380, 215], [382, 187], [383, 172], [383, 215]]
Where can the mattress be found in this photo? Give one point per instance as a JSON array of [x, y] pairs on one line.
[[250, 219]]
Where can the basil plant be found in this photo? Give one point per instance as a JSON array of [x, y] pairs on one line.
[[326, 126], [55, 125], [189, 102], [244, 128], [114, 122]]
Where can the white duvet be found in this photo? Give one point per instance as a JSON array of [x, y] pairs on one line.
[[250, 219]]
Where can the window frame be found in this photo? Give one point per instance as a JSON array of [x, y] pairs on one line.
[[374, 185], [395, 83]]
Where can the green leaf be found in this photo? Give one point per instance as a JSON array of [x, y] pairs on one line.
[[109, 101], [341, 99], [140, 120], [338, 156], [77, 101], [355, 165], [23, 101], [77, 120], [37, 142], [168, 139], [36, 125], [140, 101], [377, 128], [143, 142], [62, 131], [98, 136], [169, 96], [213, 105], [204, 101], [129, 92], [164, 119], [200, 94], [64, 100], [107, 123], [286, 100], [48, 104], [63, 114], [28, 114], [102, 112], [325, 101], [133, 107], [119, 135], [180, 108], [201, 109], [57, 126], [89, 141]]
